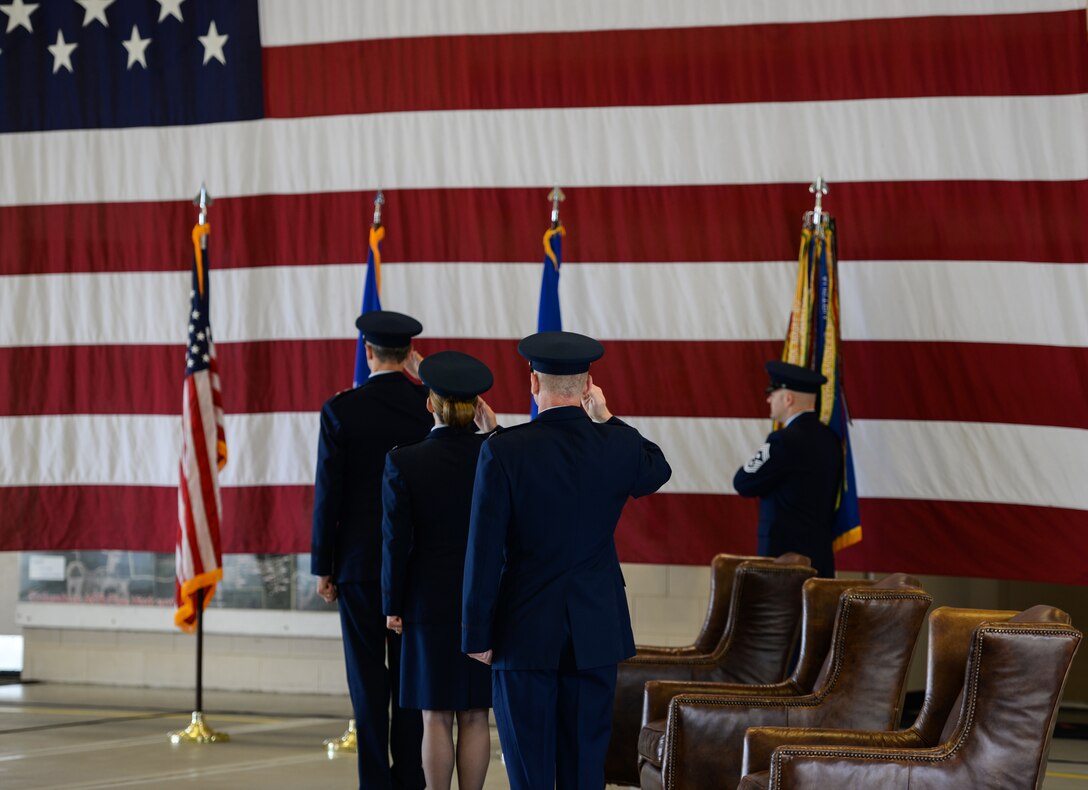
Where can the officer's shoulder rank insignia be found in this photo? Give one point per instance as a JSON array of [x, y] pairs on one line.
[[762, 456]]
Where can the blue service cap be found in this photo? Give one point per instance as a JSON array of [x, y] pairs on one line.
[[560, 353], [388, 329], [452, 374], [786, 376]]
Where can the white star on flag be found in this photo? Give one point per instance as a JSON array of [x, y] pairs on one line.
[[19, 14], [136, 48], [95, 11], [170, 8], [62, 53], [213, 44], [196, 314]]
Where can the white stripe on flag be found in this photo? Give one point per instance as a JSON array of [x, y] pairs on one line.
[[959, 460], [865, 140], [207, 548], [954, 301], [288, 22]]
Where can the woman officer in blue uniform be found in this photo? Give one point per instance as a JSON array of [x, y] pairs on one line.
[[427, 498]]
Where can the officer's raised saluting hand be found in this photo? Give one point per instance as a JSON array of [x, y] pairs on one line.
[[485, 416], [594, 403], [411, 363]]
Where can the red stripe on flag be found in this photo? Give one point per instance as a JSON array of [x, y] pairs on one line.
[[948, 220], [194, 458], [984, 539], [272, 519], [208, 459], [884, 380], [815, 61], [185, 551], [914, 536], [686, 529]]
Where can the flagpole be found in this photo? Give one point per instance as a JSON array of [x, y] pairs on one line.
[[818, 218], [348, 741], [549, 316], [555, 196], [198, 731]]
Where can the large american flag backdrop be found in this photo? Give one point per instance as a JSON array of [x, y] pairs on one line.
[[684, 136]]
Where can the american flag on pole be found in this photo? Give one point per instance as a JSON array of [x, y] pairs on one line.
[[684, 135], [199, 553]]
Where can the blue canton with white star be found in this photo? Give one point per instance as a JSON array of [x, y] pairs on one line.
[[198, 353], [96, 64]]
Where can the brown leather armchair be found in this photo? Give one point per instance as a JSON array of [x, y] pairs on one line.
[[996, 732], [700, 742], [757, 602], [723, 569]]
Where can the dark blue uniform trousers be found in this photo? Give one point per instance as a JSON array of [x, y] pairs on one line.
[[372, 686], [554, 725]]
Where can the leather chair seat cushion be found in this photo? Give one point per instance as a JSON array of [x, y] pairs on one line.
[[760, 780], [651, 742]]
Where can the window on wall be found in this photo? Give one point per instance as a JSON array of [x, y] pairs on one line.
[[140, 578], [11, 655]]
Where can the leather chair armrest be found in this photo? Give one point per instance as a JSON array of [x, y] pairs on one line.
[[760, 742], [627, 710], [666, 657], [818, 768], [704, 735], [659, 693], [654, 651]]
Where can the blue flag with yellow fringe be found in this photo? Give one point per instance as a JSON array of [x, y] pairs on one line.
[[371, 298], [548, 316], [814, 340]]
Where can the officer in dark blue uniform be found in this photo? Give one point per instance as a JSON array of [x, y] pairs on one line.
[[796, 473], [427, 497], [358, 427], [544, 598]]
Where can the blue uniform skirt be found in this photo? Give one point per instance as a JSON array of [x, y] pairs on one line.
[[436, 675]]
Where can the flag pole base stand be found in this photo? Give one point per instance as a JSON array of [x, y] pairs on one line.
[[345, 743], [198, 732]]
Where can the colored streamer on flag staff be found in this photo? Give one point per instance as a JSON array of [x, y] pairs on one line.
[[372, 286], [198, 549], [814, 340], [549, 317]]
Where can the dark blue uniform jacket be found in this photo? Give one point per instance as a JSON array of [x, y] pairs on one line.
[[542, 567], [358, 427], [796, 474], [427, 498]]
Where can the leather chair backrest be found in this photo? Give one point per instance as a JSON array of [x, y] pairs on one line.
[[819, 607], [950, 633], [1016, 673], [766, 612], [1038, 615], [861, 682], [722, 570]]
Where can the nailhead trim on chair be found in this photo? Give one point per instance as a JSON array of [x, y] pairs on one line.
[[908, 755]]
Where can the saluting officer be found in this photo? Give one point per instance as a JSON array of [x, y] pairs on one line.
[[427, 497], [544, 598], [797, 472], [358, 427]]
